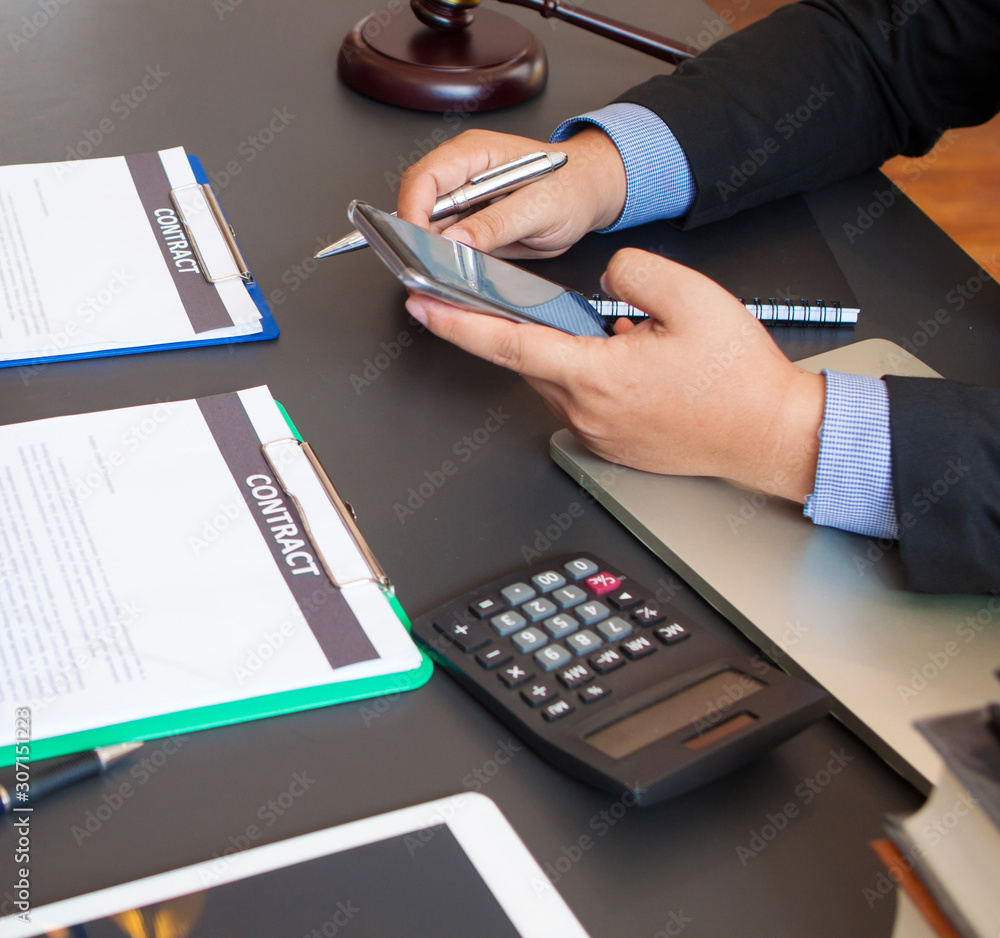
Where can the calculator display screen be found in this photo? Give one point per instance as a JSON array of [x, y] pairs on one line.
[[702, 706]]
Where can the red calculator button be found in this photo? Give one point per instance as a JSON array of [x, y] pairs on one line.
[[601, 583]]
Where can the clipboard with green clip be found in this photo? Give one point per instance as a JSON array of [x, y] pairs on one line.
[[265, 705]]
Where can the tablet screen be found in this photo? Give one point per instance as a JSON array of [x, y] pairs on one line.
[[416, 885], [452, 868]]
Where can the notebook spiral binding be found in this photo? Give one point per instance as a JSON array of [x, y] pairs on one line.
[[770, 311]]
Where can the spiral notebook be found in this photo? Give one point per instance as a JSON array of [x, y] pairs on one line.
[[773, 258]]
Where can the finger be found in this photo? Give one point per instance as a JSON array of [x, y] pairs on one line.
[[531, 350], [451, 165], [521, 216], [669, 293]]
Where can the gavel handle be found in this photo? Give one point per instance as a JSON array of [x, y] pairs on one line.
[[641, 39]]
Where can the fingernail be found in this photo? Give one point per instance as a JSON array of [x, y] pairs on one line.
[[417, 311], [459, 234]]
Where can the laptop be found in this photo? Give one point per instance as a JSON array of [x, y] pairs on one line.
[[824, 604]]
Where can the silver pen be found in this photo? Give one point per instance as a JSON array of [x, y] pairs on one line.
[[480, 188]]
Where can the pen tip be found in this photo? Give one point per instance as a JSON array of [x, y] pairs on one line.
[[109, 754]]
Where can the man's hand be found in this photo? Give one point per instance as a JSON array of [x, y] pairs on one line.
[[699, 388], [540, 220]]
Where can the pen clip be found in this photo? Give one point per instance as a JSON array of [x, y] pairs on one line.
[[376, 573]]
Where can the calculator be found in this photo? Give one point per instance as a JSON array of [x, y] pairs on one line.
[[611, 684]]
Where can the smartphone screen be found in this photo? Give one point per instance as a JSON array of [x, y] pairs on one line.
[[473, 274]]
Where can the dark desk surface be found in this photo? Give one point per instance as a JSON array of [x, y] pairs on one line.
[[217, 73]]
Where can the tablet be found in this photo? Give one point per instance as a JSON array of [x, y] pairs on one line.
[[452, 868]]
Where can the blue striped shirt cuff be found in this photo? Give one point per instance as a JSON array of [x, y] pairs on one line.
[[658, 178], [854, 472]]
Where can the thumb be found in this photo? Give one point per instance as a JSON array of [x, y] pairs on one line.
[[669, 293], [488, 229]]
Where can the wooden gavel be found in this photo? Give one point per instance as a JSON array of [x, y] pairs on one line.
[[450, 57], [455, 15]]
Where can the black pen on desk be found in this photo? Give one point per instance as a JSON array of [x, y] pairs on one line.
[[66, 773], [480, 188]]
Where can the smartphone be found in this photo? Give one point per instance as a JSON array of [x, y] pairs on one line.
[[427, 263]]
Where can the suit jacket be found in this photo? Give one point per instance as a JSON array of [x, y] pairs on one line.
[[822, 90]]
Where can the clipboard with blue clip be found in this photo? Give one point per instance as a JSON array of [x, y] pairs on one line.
[[201, 259]]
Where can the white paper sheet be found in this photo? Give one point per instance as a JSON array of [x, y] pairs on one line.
[[136, 581], [81, 268]]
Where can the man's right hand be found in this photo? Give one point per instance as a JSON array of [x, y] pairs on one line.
[[541, 219]]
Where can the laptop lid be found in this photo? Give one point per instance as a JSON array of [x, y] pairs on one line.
[[822, 603]]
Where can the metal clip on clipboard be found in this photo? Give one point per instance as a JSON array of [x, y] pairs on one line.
[[376, 573], [187, 209]]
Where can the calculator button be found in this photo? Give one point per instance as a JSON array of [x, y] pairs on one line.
[[548, 581], [671, 634], [552, 657], [517, 593], [576, 675], [593, 692], [624, 599], [601, 583], [560, 625], [528, 640], [607, 660], [538, 609], [581, 643], [580, 568], [514, 674], [638, 647], [569, 596], [507, 622], [466, 635], [537, 694], [484, 608], [493, 657], [557, 709], [614, 628], [589, 613], [648, 614]]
